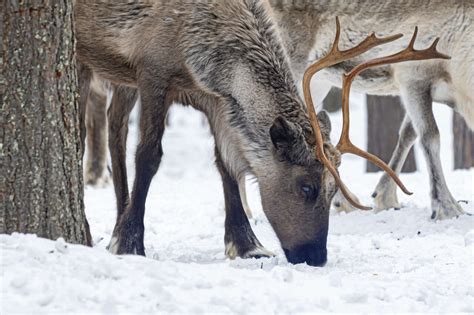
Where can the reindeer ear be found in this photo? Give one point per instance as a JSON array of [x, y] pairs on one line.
[[283, 133], [288, 140], [325, 125]]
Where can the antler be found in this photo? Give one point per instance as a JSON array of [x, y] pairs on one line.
[[336, 56], [409, 53]]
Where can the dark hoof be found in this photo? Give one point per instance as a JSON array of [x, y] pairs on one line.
[[127, 239]]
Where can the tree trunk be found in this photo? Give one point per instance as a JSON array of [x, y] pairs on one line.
[[384, 117], [463, 143], [41, 188]]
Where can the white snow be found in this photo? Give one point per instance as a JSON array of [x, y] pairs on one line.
[[393, 261]]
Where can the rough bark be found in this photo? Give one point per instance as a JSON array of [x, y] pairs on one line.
[[463, 143], [41, 188], [384, 117]]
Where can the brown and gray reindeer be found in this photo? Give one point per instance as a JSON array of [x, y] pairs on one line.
[[307, 29], [224, 58]]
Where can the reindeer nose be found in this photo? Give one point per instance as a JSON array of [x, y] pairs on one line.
[[312, 254]]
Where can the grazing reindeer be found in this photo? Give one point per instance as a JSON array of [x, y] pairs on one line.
[[225, 59], [307, 30]]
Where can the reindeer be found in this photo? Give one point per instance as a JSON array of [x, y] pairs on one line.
[[207, 55], [226, 60]]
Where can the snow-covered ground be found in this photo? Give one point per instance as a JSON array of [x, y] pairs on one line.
[[393, 261]]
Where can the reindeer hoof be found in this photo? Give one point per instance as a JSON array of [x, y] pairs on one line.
[[127, 239], [113, 245], [259, 252], [92, 179], [129, 247], [443, 210], [385, 197], [232, 251]]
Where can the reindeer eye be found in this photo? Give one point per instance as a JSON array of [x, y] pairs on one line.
[[309, 192]]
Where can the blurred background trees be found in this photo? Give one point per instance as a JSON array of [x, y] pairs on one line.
[[463, 143], [384, 117]]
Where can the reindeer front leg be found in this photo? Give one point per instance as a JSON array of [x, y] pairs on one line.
[[240, 241], [129, 230]]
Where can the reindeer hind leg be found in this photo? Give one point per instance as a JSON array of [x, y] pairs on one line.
[[123, 101], [96, 173], [418, 103]]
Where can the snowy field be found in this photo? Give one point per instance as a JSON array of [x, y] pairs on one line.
[[393, 261]]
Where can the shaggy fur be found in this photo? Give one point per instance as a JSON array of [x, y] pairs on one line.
[[226, 59]]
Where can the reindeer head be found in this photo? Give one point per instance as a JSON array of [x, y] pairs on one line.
[[296, 198], [297, 192]]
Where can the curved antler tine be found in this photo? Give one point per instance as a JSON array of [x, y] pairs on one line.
[[345, 145], [411, 45], [336, 56], [434, 49], [343, 187], [434, 44], [321, 156], [348, 147], [335, 43]]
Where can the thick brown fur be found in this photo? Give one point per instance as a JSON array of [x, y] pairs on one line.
[[225, 59]]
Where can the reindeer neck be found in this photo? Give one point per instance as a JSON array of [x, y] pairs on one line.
[[258, 98], [246, 64]]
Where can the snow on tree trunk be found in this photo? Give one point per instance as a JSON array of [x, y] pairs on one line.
[[384, 117], [41, 185], [463, 143]]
